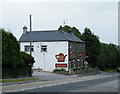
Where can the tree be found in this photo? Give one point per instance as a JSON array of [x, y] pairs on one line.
[[108, 57], [92, 45], [73, 30], [14, 62], [10, 49]]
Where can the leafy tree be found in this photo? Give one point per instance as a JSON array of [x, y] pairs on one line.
[[73, 30], [14, 62], [10, 49], [92, 45], [76, 32], [108, 57]]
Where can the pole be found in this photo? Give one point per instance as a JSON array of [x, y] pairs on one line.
[[30, 35], [30, 47], [84, 59]]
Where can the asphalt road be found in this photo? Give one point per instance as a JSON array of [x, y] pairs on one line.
[[106, 84]]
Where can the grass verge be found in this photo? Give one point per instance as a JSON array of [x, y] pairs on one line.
[[17, 80]]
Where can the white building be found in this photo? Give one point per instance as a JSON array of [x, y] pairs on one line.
[[53, 49]]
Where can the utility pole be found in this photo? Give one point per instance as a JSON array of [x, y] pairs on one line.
[[30, 35], [30, 71]]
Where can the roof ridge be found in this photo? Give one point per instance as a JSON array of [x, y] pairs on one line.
[[45, 31]]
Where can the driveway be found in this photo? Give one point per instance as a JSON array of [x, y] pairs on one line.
[[51, 76]]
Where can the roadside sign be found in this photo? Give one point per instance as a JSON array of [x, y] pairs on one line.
[[61, 65]]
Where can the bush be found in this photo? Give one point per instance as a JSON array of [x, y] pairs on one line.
[[15, 72], [21, 70], [27, 59], [14, 63], [62, 69], [10, 49]]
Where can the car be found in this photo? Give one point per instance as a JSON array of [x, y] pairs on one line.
[[118, 69]]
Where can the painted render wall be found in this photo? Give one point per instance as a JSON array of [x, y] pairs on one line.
[[46, 60]]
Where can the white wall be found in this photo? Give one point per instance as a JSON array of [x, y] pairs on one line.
[[47, 60]]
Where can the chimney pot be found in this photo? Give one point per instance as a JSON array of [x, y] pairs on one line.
[[24, 29]]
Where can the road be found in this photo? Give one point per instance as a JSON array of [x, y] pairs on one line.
[[104, 84]]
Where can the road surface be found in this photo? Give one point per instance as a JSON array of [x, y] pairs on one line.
[[104, 84]]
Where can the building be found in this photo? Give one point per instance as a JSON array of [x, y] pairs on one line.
[[53, 49]]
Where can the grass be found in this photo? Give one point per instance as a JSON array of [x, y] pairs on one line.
[[17, 80]]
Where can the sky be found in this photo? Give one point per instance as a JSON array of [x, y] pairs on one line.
[[100, 17]]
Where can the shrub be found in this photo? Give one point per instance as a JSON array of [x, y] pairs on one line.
[[10, 49], [14, 63], [27, 59], [61, 69]]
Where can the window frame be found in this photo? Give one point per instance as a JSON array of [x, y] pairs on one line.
[[43, 48], [27, 48]]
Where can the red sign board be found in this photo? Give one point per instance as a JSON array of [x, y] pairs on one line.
[[60, 65]]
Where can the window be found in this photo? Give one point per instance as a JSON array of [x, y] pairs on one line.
[[27, 48], [44, 48]]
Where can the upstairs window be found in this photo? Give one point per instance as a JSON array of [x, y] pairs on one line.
[[27, 48], [44, 48]]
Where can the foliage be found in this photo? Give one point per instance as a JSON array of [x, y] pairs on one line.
[[92, 46], [73, 30], [61, 69], [28, 59], [14, 72], [14, 62], [108, 57], [10, 49]]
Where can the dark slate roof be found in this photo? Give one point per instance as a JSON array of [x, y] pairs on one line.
[[44, 36]]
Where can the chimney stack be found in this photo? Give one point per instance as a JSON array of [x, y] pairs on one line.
[[24, 29]]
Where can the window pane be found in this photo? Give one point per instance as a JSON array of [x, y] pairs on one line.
[[27, 48], [44, 48]]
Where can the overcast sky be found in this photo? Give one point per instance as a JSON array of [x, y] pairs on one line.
[[100, 17]]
